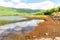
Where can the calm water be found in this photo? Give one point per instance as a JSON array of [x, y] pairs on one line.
[[21, 27], [31, 23], [11, 18]]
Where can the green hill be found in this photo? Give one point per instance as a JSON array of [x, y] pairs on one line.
[[4, 11]]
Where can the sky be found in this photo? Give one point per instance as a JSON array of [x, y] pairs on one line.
[[30, 4]]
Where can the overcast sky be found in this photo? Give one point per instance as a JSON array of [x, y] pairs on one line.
[[31, 4]]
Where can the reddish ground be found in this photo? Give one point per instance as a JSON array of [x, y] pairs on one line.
[[49, 28]]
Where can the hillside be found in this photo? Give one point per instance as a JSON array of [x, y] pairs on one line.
[[4, 11]]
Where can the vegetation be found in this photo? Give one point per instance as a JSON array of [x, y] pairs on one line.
[[19, 12], [3, 22], [16, 12], [49, 11]]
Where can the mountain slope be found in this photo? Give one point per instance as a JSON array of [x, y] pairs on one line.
[[4, 11]]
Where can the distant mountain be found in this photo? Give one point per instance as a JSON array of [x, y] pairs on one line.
[[27, 11], [4, 11]]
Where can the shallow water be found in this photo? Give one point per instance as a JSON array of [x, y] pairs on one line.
[[11, 18], [24, 26]]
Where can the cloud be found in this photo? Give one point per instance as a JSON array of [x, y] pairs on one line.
[[57, 5], [1, 0], [17, 1], [6, 4], [42, 5]]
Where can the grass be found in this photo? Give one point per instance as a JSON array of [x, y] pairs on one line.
[[3, 22], [4, 11], [37, 16]]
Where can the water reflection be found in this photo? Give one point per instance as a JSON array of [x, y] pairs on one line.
[[21, 27], [11, 18]]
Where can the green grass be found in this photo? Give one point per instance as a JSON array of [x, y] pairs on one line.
[[3, 22], [4, 11]]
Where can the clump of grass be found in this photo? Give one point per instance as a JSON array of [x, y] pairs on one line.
[[3, 22]]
